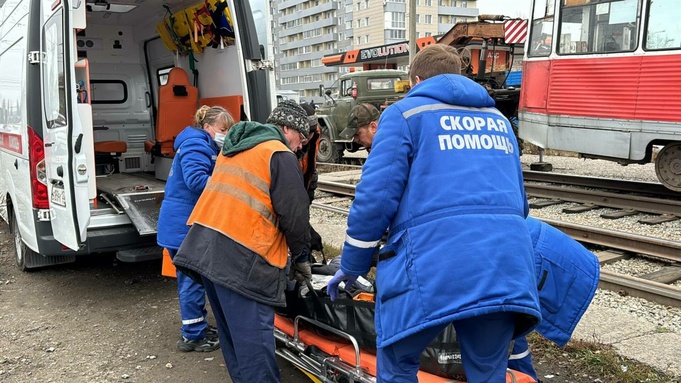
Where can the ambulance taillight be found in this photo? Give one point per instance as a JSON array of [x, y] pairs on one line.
[[36, 158]]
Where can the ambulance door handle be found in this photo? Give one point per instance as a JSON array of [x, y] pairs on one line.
[[16, 164], [60, 171], [79, 142], [147, 96]]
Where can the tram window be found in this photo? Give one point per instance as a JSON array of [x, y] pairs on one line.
[[663, 30], [541, 35], [605, 27]]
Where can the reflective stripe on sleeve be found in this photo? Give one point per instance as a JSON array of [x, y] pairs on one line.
[[519, 356], [361, 244]]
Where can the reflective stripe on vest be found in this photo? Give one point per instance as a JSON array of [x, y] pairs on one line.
[[236, 202]]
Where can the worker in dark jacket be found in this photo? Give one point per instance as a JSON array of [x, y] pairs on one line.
[[307, 156], [196, 148], [253, 211], [567, 278]]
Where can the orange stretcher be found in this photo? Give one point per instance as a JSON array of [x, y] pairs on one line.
[[324, 360]]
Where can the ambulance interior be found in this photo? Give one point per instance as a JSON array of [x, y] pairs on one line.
[[137, 90]]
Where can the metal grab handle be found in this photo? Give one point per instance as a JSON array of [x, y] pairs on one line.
[[358, 368]]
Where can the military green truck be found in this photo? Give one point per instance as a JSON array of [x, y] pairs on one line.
[[378, 87]]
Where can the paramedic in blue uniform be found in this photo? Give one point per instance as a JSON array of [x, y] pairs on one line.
[[445, 176], [567, 277], [196, 148], [565, 291]]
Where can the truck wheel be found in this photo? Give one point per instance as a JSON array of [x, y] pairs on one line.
[[328, 151]]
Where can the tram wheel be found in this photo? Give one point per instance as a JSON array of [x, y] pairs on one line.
[[668, 166]]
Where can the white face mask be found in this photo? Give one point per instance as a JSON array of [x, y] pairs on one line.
[[219, 139]]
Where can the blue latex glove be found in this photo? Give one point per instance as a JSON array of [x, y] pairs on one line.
[[340, 276]]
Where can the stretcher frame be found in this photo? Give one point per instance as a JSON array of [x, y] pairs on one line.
[[325, 361]]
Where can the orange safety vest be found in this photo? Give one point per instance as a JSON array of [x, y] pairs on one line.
[[236, 202]]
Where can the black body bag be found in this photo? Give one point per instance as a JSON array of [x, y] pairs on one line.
[[442, 357]]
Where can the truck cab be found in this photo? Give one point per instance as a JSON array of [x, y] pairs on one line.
[[379, 87]]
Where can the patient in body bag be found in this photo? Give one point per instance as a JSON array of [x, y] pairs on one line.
[[353, 313]]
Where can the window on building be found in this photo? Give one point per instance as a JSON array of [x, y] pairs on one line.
[[359, 40], [663, 30], [396, 34], [429, 19], [366, 4], [429, 3], [604, 27], [366, 39], [359, 4], [463, 4], [397, 19], [359, 23], [418, 19], [428, 34], [366, 21]]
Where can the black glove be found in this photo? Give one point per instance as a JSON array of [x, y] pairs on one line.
[[315, 240], [301, 270]]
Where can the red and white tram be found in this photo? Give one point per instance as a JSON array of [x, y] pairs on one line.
[[603, 78]]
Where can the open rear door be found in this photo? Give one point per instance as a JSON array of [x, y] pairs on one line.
[[65, 162]]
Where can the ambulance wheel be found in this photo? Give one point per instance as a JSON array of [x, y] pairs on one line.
[[22, 251]]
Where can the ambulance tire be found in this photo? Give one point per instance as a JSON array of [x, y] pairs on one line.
[[24, 255]]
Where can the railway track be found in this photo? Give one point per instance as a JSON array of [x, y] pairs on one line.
[[589, 193], [609, 245]]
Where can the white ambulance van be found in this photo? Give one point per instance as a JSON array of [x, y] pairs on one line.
[[92, 95]]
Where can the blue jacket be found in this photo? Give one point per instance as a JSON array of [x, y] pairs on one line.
[[567, 278], [195, 154], [444, 174]]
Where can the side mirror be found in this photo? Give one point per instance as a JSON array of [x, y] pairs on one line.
[[328, 92]]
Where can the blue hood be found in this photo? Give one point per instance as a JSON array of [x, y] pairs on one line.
[[453, 89], [193, 134]]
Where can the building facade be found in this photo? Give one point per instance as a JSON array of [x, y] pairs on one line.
[[304, 31]]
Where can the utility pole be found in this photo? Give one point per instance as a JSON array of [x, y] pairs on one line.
[[412, 30]]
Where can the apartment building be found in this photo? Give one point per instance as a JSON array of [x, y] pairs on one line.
[[304, 31]]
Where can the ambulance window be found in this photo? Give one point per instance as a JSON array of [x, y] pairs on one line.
[[54, 95], [108, 92]]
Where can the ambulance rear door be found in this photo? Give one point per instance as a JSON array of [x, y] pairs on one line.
[[65, 162]]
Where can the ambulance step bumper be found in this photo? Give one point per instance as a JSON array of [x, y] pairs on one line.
[[139, 255]]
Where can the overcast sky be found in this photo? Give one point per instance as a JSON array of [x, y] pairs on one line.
[[512, 8]]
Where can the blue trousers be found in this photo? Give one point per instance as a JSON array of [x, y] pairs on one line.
[[483, 341], [246, 330], [192, 298], [521, 359]]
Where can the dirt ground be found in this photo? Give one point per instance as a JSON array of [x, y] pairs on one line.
[[99, 320]]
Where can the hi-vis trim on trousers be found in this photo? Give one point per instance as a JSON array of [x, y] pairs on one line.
[[433, 107], [192, 321], [361, 244]]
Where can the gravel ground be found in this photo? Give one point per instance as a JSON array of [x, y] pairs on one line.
[[332, 228]]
